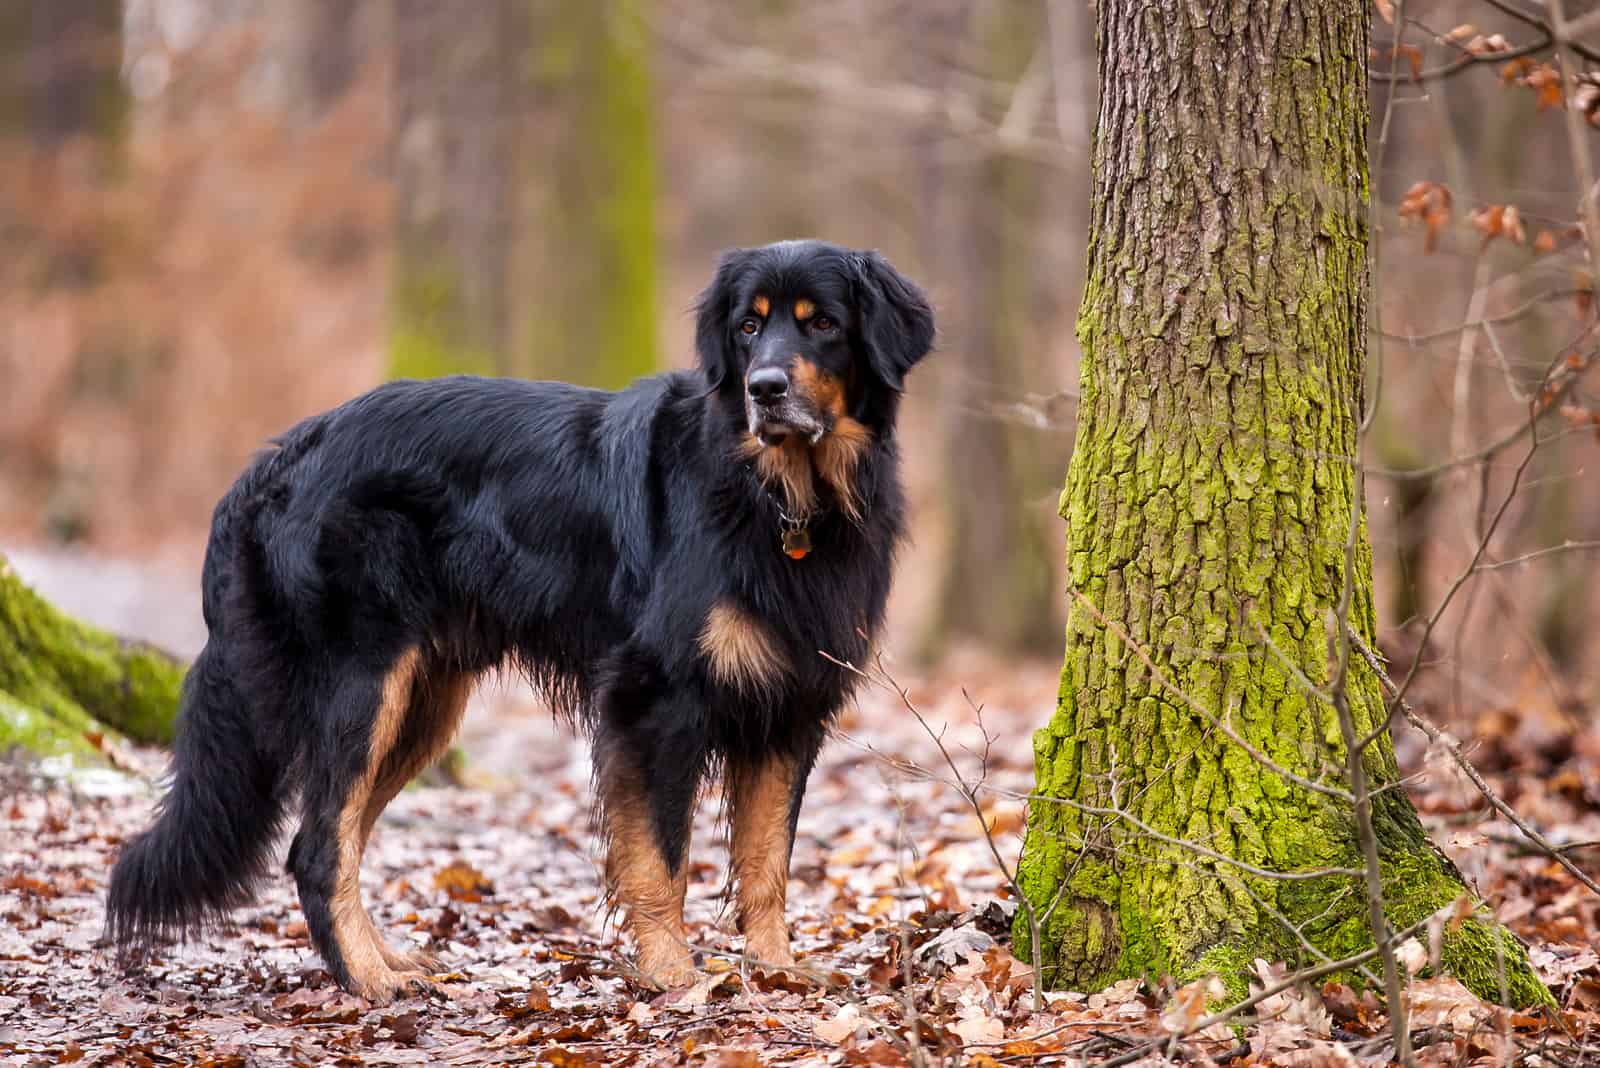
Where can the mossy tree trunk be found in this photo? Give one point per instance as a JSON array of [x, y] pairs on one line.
[[63, 682], [590, 315], [1208, 505], [455, 99]]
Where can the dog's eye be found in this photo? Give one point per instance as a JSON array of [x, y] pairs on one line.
[[822, 322], [749, 326]]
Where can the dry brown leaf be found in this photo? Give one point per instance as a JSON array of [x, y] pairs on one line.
[[839, 1027], [462, 882], [1412, 955]]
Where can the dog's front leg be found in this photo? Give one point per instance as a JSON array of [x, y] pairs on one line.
[[764, 802], [649, 773]]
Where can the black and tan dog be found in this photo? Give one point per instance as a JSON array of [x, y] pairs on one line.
[[667, 563]]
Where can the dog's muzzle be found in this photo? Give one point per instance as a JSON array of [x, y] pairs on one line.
[[775, 411]]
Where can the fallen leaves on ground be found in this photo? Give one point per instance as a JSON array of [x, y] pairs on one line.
[[900, 922]]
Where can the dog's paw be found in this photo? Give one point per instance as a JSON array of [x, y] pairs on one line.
[[388, 985], [670, 975], [417, 960]]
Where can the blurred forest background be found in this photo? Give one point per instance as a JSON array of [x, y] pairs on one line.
[[219, 216]]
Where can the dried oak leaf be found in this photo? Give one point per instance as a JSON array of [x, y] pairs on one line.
[[1429, 203], [1413, 57], [1491, 45], [536, 1000], [403, 1027], [735, 1058], [28, 886], [462, 882], [879, 1052]]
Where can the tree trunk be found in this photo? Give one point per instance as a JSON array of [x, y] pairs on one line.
[[590, 316], [996, 581], [525, 200], [1208, 504], [319, 44], [455, 99], [62, 681], [74, 70]]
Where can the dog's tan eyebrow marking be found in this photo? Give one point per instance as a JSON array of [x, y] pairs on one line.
[[761, 304], [804, 309]]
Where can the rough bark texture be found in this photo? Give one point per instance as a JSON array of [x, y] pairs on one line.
[[62, 681], [1208, 507]]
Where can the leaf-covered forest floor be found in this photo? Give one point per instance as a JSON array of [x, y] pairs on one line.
[[894, 889]]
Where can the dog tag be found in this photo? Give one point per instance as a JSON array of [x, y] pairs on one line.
[[797, 542]]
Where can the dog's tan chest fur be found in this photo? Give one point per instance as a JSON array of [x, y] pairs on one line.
[[740, 650]]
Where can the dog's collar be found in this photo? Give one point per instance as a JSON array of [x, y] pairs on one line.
[[794, 532], [795, 535]]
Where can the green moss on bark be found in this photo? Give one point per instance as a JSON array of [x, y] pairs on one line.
[[61, 680], [1208, 504]]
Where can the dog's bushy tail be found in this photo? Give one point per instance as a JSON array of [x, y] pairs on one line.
[[213, 835]]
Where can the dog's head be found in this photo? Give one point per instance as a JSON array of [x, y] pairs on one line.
[[806, 339]]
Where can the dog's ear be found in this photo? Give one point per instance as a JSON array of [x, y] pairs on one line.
[[713, 334], [896, 319]]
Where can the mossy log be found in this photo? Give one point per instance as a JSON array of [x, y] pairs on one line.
[[1210, 503], [63, 682]]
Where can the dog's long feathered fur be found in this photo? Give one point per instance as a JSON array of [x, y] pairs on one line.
[[584, 536]]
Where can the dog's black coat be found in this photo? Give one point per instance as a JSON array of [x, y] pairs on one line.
[[581, 535]]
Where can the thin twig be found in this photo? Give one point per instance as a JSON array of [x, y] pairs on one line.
[[1568, 546], [1355, 750], [1453, 748]]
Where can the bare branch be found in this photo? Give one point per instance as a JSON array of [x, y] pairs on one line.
[[1568, 546], [1453, 748]]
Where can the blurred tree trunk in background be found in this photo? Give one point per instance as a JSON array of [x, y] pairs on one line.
[[1224, 328], [321, 51], [997, 584], [455, 98], [61, 70], [590, 246], [525, 191], [62, 682], [1395, 448], [75, 70]]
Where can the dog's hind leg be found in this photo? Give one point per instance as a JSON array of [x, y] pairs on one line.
[[438, 700], [356, 731]]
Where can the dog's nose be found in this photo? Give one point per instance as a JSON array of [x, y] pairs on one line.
[[767, 385]]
